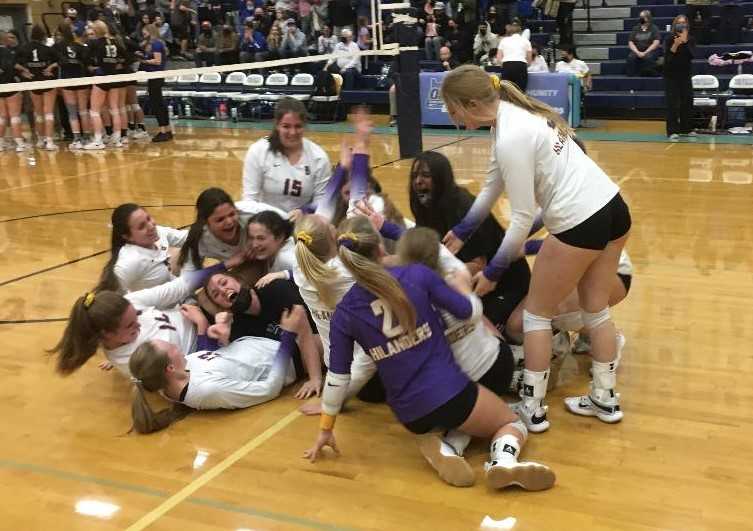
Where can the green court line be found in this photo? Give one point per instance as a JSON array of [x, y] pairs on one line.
[[139, 489], [585, 134]]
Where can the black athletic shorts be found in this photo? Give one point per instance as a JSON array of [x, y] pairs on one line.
[[450, 415], [497, 379], [4, 95], [627, 280], [108, 86], [608, 224], [511, 289], [40, 91]]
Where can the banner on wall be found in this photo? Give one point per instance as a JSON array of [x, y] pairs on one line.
[[554, 89]]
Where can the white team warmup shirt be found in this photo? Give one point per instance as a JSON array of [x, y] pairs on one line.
[[159, 319], [538, 65], [139, 268], [576, 66], [242, 374], [270, 178], [514, 48]]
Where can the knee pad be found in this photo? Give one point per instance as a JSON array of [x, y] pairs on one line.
[[594, 320], [84, 113], [72, 109], [568, 322], [15, 120], [94, 114], [136, 107], [49, 117], [532, 323], [122, 111], [2, 121], [521, 427]]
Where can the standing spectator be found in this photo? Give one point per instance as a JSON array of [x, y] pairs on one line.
[[699, 17], [326, 43], [432, 40], [644, 46], [253, 45], [206, 46], [364, 35], [293, 41], [514, 52], [319, 15], [155, 57], [341, 15], [679, 49], [565, 22], [446, 58], [227, 46], [304, 16], [348, 67], [144, 20], [274, 42], [455, 39], [180, 22], [538, 63], [573, 65], [496, 24], [484, 43]]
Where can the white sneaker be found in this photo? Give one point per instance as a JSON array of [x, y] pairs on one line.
[[589, 407], [118, 143], [452, 468], [526, 474], [40, 143], [582, 345], [94, 145], [3, 145], [674, 136], [124, 140], [140, 134], [534, 416], [49, 145], [106, 138], [20, 148], [76, 145]]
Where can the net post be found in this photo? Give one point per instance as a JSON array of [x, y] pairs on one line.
[[408, 95]]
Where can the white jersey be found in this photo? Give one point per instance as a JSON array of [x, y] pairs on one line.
[[575, 66], [139, 267], [625, 266], [514, 48], [538, 65], [245, 373], [285, 259], [473, 345], [269, 177]]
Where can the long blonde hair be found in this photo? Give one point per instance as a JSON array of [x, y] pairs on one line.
[[313, 246], [359, 251], [471, 83], [147, 366]]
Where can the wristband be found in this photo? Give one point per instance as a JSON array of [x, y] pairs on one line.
[[327, 422]]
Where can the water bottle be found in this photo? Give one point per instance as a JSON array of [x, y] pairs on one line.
[[187, 109], [234, 114], [223, 110], [170, 113]]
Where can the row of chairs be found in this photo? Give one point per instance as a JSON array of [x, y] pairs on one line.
[[710, 101]]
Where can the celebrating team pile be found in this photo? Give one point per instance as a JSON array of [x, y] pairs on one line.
[[321, 279]]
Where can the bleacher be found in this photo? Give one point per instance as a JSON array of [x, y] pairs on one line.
[[605, 49]]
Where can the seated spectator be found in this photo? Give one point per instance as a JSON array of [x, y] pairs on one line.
[[206, 46], [264, 20], [304, 16], [573, 65], [348, 67], [165, 33], [326, 42], [484, 43], [455, 40], [432, 40], [446, 58], [246, 10], [538, 63], [145, 20], [319, 15], [364, 34], [253, 45], [644, 47], [77, 24], [227, 46], [293, 41], [274, 42]]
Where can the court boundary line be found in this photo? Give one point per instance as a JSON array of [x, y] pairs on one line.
[[82, 211]]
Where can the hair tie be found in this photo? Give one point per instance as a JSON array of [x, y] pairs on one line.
[[347, 240], [89, 299], [496, 83], [304, 237]]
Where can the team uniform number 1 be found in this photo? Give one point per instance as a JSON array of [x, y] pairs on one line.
[[390, 328], [292, 187]]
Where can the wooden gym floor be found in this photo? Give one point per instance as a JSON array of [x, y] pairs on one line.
[[680, 460]]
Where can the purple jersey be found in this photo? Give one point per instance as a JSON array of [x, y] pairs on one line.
[[418, 369]]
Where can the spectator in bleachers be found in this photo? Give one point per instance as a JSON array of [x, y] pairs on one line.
[[180, 23], [165, 32], [455, 39], [570, 63], [253, 43], [227, 46], [565, 22], [538, 63], [699, 17], [496, 24], [206, 46], [304, 17], [264, 20], [432, 40], [77, 24], [293, 41], [679, 48], [644, 47], [447, 60], [274, 42], [144, 20], [484, 43], [326, 42], [514, 52], [319, 15], [507, 10], [364, 34], [348, 67]]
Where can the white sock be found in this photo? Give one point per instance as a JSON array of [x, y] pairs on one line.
[[534, 385], [505, 449], [457, 441], [19, 141]]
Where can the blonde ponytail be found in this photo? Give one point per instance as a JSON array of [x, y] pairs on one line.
[[313, 248], [358, 250], [471, 83]]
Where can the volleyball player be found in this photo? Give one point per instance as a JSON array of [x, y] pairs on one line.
[[270, 243], [10, 102], [247, 372], [391, 314], [120, 323], [39, 62], [286, 170], [140, 255], [536, 160], [72, 59], [108, 56]]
